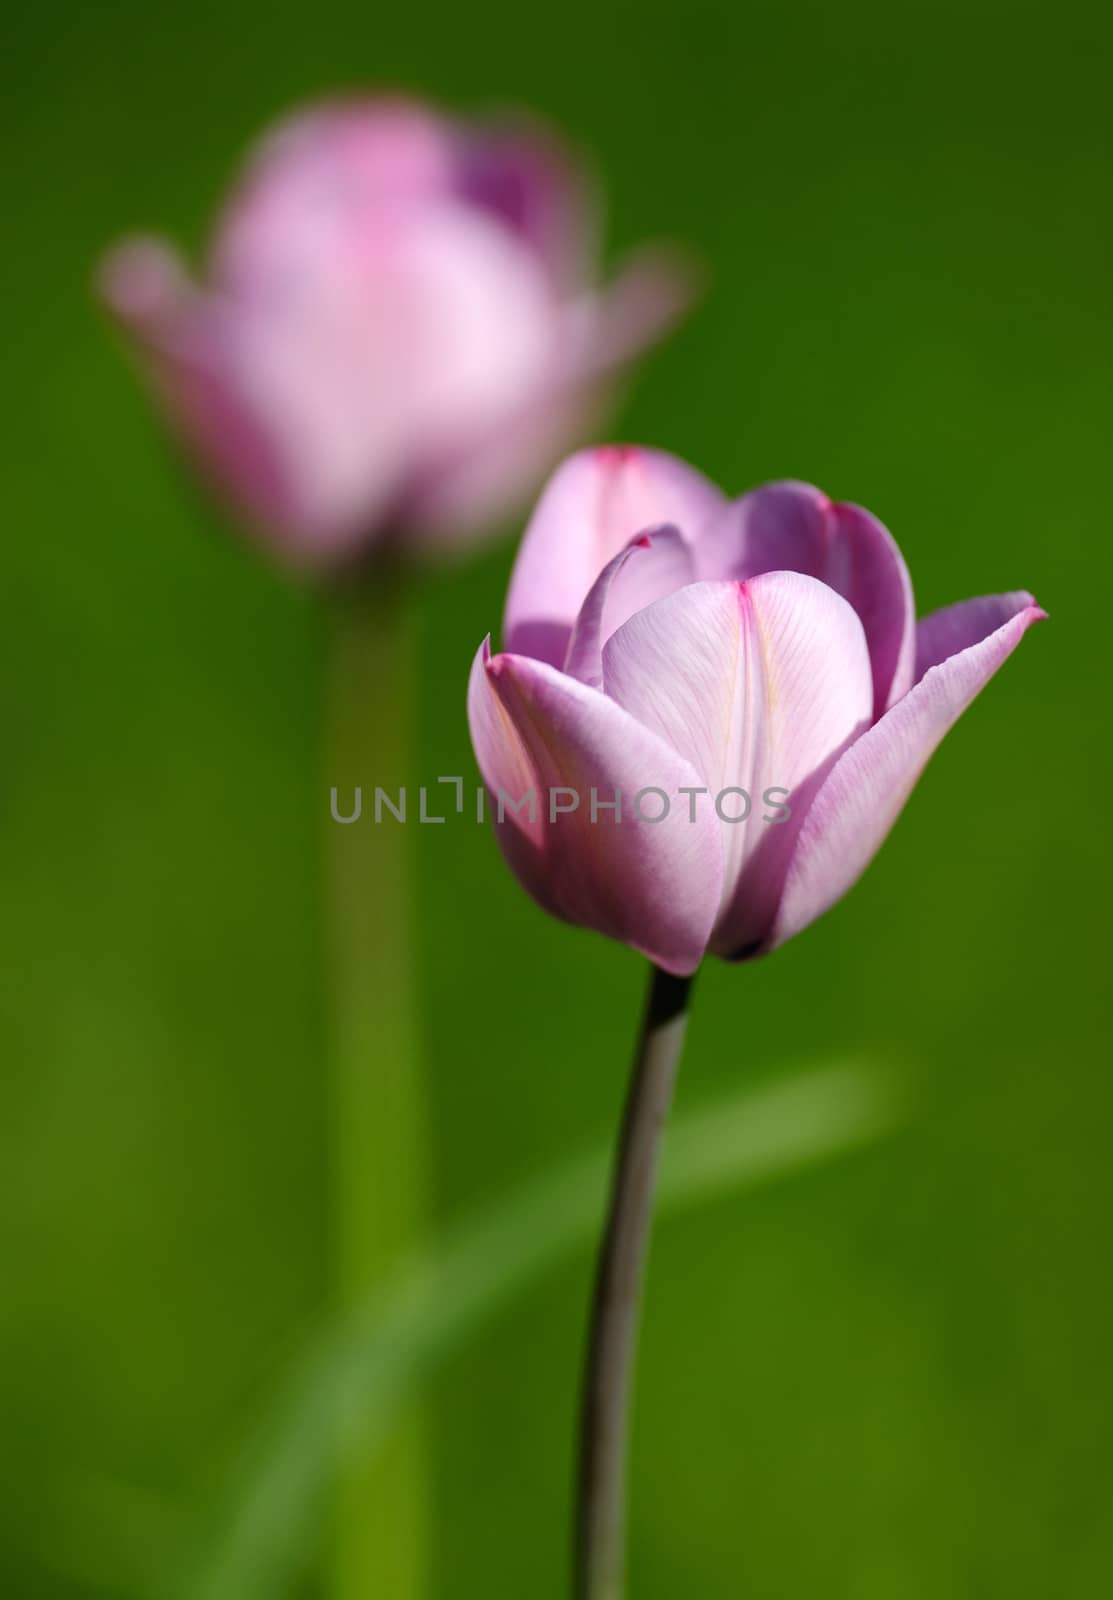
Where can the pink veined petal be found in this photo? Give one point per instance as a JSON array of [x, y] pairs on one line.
[[761, 686], [880, 590], [591, 507], [867, 789], [780, 527], [507, 768], [653, 885], [944, 633], [793, 526], [652, 565]]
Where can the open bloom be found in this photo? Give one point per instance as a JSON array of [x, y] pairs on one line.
[[718, 709], [398, 332]]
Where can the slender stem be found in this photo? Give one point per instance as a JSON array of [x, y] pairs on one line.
[[379, 1121], [620, 1274]]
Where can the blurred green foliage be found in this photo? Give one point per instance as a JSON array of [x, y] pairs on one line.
[[371, 1360], [887, 1380]]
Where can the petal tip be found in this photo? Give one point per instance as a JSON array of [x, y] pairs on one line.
[[616, 455], [495, 666], [1030, 611], [138, 277]]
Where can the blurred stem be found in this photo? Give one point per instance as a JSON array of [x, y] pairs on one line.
[[379, 1122], [620, 1275]]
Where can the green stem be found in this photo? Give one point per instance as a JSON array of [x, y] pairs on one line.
[[620, 1276], [379, 1113]]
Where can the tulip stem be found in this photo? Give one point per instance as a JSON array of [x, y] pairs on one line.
[[620, 1275], [379, 1116]]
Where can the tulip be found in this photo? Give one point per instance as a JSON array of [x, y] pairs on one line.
[[665, 642], [398, 333], [661, 638]]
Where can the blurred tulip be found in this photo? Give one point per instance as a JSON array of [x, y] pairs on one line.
[[398, 333], [662, 640]]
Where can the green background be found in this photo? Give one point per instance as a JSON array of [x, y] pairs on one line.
[[889, 1380]]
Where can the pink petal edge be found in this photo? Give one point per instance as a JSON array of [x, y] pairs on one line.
[[655, 886], [867, 789]]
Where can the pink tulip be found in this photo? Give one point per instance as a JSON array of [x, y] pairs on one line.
[[398, 334], [664, 641]]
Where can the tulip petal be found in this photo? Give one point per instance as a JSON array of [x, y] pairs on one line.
[[655, 287], [476, 483], [761, 686], [793, 526], [494, 468], [379, 360], [523, 175], [653, 885], [314, 180], [345, 158], [944, 633], [867, 789], [652, 565], [188, 345], [591, 508], [880, 590]]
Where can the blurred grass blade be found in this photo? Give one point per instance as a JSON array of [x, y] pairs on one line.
[[365, 1369]]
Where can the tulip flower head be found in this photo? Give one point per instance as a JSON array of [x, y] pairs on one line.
[[718, 709], [398, 332]]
